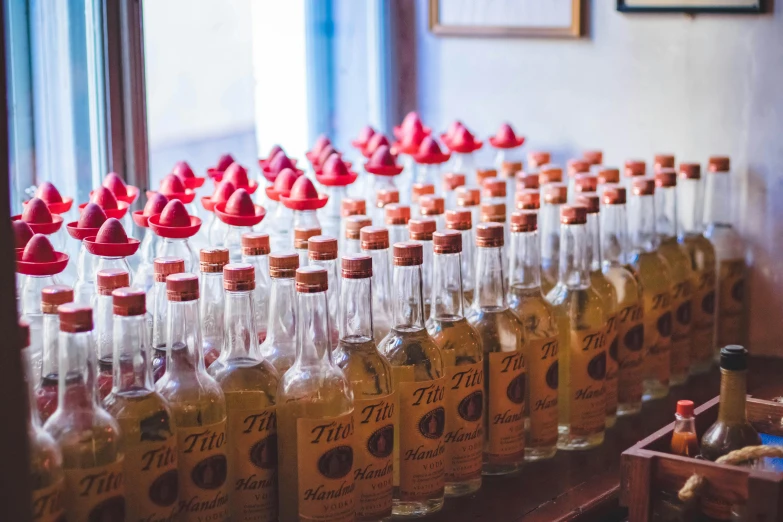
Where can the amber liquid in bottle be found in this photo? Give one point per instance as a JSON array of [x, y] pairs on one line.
[[279, 348], [212, 301], [685, 442]]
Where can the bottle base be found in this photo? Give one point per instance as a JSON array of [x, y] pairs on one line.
[[654, 390], [568, 442], [611, 420], [533, 454], [458, 489], [403, 508], [632, 408], [500, 469], [699, 368], [678, 380]]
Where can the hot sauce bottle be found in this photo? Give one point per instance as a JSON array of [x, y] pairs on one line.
[[685, 442], [107, 281], [279, 348], [255, 251], [212, 301], [46, 389], [164, 267]]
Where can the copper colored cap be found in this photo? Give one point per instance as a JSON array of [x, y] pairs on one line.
[[485, 174], [447, 242], [354, 225], [301, 235], [591, 202], [421, 229], [493, 212], [490, 235], [635, 168], [53, 296], [666, 177], [109, 280], [468, 197], [538, 158], [585, 183], [509, 169], [255, 244], [387, 196], [573, 215], [608, 175], [663, 161], [396, 214], [283, 264], [165, 266], [719, 164], [459, 219], [452, 180], [550, 173], [614, 196], [432, 205], [311, 279], [576, 166], [322, 248], [643, 187], [524, 221], [75, 318], [374, 238], [352, 207], [356, 266], [408, 254], [555, 194], [421, 189], [182, 287], [239, 277], [593, 157], [24, 334], [212, 260], [129, 302], [529, 181], [690, 170], [528, 199], [495, 187]]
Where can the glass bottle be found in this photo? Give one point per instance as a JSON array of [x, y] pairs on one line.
[[88, 437], [280, 228], [685, 442], [494, 190], [315, 416], [332, 214], [212, 301], [575, 167], [508, 171], [323, 253], [549, 174], [731, 252], [353, 227], [396, 219], [84, 286], [682, 277], [375, 244], [451, 182], [419, 190], [463, 361], [634, 169], [421, 231], [147, 429], [301, 236], [496, 213], [703, 264], [462, 220], [249, 385], [555, 196], [528, 199], [164, 267], [144, 276], [663, 161], [470, 199], [103, 311], [198, 408], [179, 248], [46, 389], [538, 158], [607, 176], [383, 197], [349, 207], [528, 180], [503, 340], [582, 329], [255, 251], [541, 350], [376, 406], [630, 325], [279, 348], [31, 312], [419, 379], [433, 207]]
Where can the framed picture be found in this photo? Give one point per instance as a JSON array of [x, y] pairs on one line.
[[504, 18], [692, 6]]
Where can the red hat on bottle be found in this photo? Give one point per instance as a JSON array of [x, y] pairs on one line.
[[51, 196], [320, 144], [183, 171], [105, 199], [376, 142], [36, 214], [363, 138], [336, 172], [155, 205], [111, 241], [173, 188], [455, 126], [121, 191], [222, 192], [506, 138], [283, 184], [410, 122], [22, 234], [383, 163], [38, 258], [174, 222], [276, 149], [463, 141], [91, 219], [222, 164], [410, 143], [236, 174], [304, 196], [239, 210], [277, 165], [429, 153]]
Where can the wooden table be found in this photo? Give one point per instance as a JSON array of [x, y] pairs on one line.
[[584, 485]]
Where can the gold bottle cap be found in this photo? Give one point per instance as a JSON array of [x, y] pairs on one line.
[[408, 254], [635, 168], [666, 177], [23, 330], [354, 225], [528, 180], [555, 194], [614, 195], [484, 174], [495, 187], [452, 180], [212, 260], [182, 287], [643, 187], [239, 277], [585, 183], [53, 296], [509, 169], [576, 166], [550, 173], [255, 244], [283, 265], [690, 170], [573, 215], [396, 214], [75, 318], [493, 212], [537, 158], [352, 207], [591, 202], [524, 221], [490, 235], [608, 175], [593, 157], [301, 235], [322, 248], [165, 266], [356, 266], [459, 219], [422, 189], [129, 302], [468, 197], [311, 279], [447, 242], [386, 196], [719, 164], [421, 229], [432, 205], [663, 161], [528, 199], [111, 279], [374, 238]]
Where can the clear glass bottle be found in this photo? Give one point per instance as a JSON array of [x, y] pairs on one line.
[[421, 231], [158, 305], [494, 190], [418, 190], [144, 277], [528, 199], [280, 227], [212, 302], [470, 199], [555, 195], [541, 350], [507, 171], [549, 174], [84, 286], [582, 329], [279, 348], [332, 212], [147, 429], [349, 207], [463, 361], [103, 312], [633, 170], [663, 161], [575, 167], [353, 227], [179, 248], [496, 213], [31, 312], [198, 408], [538, 158], [315, 416], [606, 177], [396, 219], [88, 437], [375, 243], [685, 442], [255, 251], [301, 236], [383, 197], [249, 385], [419, 378], [503, 340], [433, 207], [451, 182], [462, 220], [376, 406], [323, 253], [46, 389], [630, 325]]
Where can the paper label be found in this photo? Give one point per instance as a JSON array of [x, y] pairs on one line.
[[703, 309], [506, 416], [588, 371], [731, 305], [543, 370], [252, 464], [203, 473], [631, 355], [95, 493], [612, 342], [375, 421], [464, 421], [658, 336], [680, 354], [48, 503]]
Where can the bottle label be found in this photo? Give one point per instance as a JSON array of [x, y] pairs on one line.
[[464, 421], [203, 470], [658, 336], [631, 357], [325, 464], [95, 493], [543, 368], [731, 302], [703, 309], [252, 464], [48, 503], [680, 355], [375, 421], [506, 416], [611, 341], [588, 371], [422, 450]]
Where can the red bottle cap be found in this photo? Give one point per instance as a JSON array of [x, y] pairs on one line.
[[75, 318], [311, 279], [255, 244], [411, 122], [573, 215], [302, 235], [165, 266], [593, 157], [111, 279], [354, 225], [396, 214], [537, 158], [374, 238], [174, 222], [129, 302], [490, 235], [408, 253], [212, 260], [685, 408], [155, 205], [459, 219], [239, 277], [53, 296], [528, 199], [352, 207], [39, 258], [447, 242], [524, 221], [608, 175], [356, 266], [429, 153], [322, 248], [37, 214], [463, 142], [182, 287], [550, 173], [336, 172], [635, 168]]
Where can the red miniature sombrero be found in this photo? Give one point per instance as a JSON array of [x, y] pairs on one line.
[[174, 222], [239, 210], [383, 163], [22, 234], [377, 141], [37, 215], [236, 174], [183, 171], [336, 172], [283, 184], [451, 131], [222, 192], [319, 145], [303, 196], [430, 153], [91, 220], [121, 191], [323, 156], [173, 188], [463, 141], [51, 196], [39, 258], [111, 241], [410, 143], [411, 121], [506, 138], [262, 162], [223, 162], [279, 163], [105, 199], [155, 205], [363, 138]]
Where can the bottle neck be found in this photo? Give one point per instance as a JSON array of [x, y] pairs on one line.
[[719, 205], [159, 309], [313, 335], [356, 310], [282, 310], [212, 300], [185, 353], [104, 318], [76, 380], [666, 212], [490, 280], [525, 268], [594, 241], [381, 274], [733, 391], [575, 256], [241, 339], [33, 420], [642, 220], [132, 371], [447, 296], [85, 265], [614, 234], [468, 260], [50, 334], [147, 247], [549, 228], [690, 202], [407, 308]]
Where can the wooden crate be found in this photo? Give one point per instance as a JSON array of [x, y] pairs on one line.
[[647, 468]]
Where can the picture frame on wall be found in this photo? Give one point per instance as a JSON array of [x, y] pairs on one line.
[[692, 6], [507, 18]]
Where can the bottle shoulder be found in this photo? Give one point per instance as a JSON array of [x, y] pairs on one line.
[[577, 308], [676, 255], [460, 338], [321, 384], [185, 387], [245, 375], [727, 242], [537, 315], [653, 272], [413, 348], [701, 251], [625, 282]]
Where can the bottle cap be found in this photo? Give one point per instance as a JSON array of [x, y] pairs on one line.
[[483, 175], [421, 229], [537, 158], [493, 212], [468, 197], [355, 224], [719, 164], [165, 266], [75, 318], [593, 157], [663, 161], [422, 189], [509, 169], [447, 242], [129, 302], [408, 253], [690, 170], [524, 221], [608, 175], [573, 215], [459, 219], [555, 194], [529, 180], [239, 277], [495, 187], [396, 214], [432, 205], [352, 207], [666, 177], [53, 296], [212, 260], [356, 266], [283, 265], [374, 238], [685, 408], [550, 173], [585, 183], [591, 202], [528, 199], [643, 187], [453, 180], [635, 168], [577, 166], [311, 279], [322, 248], [182, 287], [387, 196], [733, 358], [255, 244], [614, 196], [301, 235], [111, 279], [490, 235], [23, 335]]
